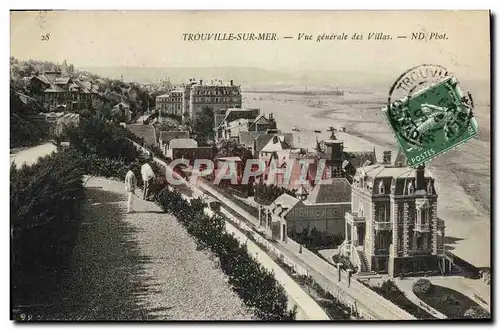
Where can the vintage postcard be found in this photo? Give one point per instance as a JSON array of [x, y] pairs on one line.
[[250, 165]]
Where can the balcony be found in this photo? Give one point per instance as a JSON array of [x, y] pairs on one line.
[[422, 227], [420, 252], [354, 218], [380, 226]]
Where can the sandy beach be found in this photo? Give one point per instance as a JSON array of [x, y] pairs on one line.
[[462, 174]]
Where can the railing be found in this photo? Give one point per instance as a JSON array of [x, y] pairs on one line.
[[386, 225], [357, 259], [422, 227], [419, 251], [345, 246], [353, 217]]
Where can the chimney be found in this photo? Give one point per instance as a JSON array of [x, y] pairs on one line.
[[231, 82], [400, 164], [387, 157], [420, 178], [201, 81]]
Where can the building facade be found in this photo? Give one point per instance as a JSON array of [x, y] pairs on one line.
[[61, 92], [216, 96], [323, 209], [393, 227], [58, 121], [171, 103]]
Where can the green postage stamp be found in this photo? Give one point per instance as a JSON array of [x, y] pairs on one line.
[[432, 116]]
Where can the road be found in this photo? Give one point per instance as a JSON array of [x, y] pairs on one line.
[[321, 271], [30, 155]]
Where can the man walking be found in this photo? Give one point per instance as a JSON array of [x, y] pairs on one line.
[[130, 185], [147, 177]]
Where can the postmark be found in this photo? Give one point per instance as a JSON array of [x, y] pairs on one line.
[[429, 114]]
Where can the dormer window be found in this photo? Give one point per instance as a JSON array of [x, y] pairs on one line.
[[429, 188], [411, 189], [381, 188]]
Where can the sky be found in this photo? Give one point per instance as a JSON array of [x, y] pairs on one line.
[[155, 39]]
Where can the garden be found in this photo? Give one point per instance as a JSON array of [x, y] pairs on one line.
[[390, 291], [449, 302]]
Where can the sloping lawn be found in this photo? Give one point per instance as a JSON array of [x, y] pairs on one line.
[[391, 292], [451, 303]]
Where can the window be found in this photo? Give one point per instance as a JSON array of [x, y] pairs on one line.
[[381, 188], [424, 215], [400, 246], [429, 188], [382, 213], [411, 189]]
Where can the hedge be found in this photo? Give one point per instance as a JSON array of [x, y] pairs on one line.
[[45, 215], [256, 286], [422, 286]]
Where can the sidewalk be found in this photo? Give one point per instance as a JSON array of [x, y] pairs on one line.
[[139, 266]]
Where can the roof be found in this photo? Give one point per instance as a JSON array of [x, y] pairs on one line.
[[42, 79], [283, 204], [400, 158], [230, 159], [247, 138], [125, 104], [183, 143], [237, 113], [166, 136], [262, 140], [164, 95], [276, 143], [261, 120], [54, 88], [239, 123], [62, 80], [358, 158], [339, 191], [380, 170], [71, 116]]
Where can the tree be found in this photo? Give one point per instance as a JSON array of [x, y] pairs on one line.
[[203, 126], [229, 148]]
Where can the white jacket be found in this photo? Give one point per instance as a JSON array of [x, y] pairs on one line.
[[147, 172], [130, 181]]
